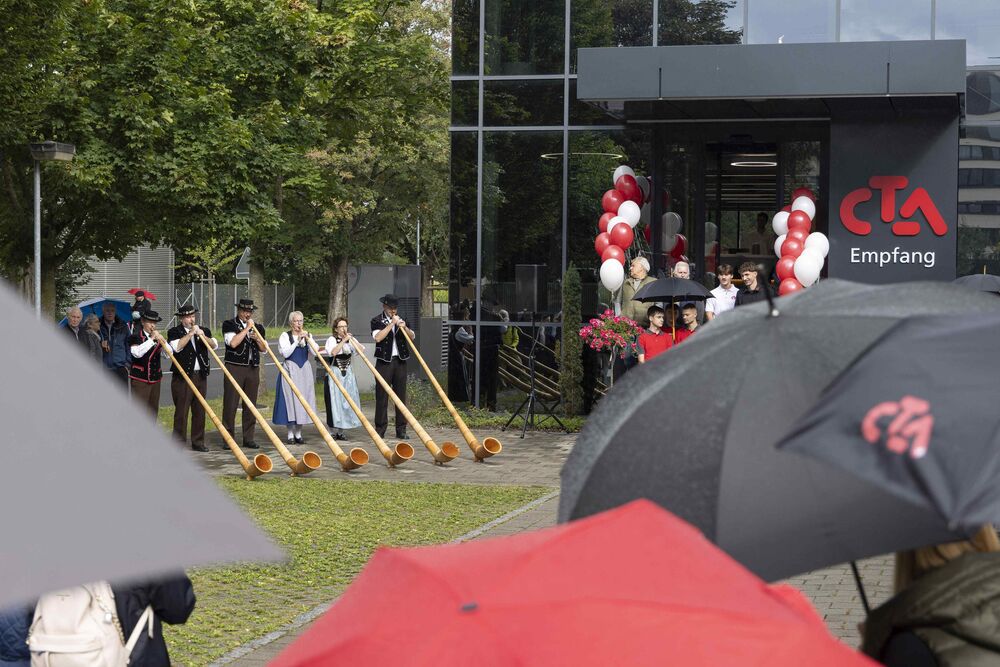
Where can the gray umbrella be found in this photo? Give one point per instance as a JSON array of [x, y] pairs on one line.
[[695, 430], [984, 282], [91, 487]]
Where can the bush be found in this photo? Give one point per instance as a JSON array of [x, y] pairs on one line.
[[571, 367]]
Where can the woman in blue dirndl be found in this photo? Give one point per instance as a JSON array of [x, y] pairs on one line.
[[294, 347], [341, 347]]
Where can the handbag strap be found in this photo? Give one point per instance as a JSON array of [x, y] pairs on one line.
[[145, 620]]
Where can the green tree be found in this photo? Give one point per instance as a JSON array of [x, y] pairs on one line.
[[571, 366]]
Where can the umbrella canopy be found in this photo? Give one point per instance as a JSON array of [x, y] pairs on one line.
[[916, 416], [146, 293], [673, 289], [92, 487], [695, 430], [634, 586], [984, 282], [123, 309]]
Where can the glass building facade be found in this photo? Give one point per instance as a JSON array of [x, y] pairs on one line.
[[530, 162]]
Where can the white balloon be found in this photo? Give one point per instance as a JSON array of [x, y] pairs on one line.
[[806, 205], [614, 221], [711, 231], [777, 244], [621, 171], [818, 241], [644, 186], [779, 223], [612, 274], [671, 223], [644, 213], [669, 241], [807, 268], [630, 211]]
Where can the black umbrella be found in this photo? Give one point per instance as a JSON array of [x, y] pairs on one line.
[[673, 289], [695, 430], [984, 282], [916, 416]]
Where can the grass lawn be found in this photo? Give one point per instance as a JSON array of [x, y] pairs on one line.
[[329, 529]]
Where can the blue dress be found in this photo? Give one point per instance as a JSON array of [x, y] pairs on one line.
[[287, 408], [338, 412]]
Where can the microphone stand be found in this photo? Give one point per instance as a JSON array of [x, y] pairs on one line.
[[532, 398]]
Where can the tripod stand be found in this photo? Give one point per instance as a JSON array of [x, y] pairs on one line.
[[532, 399]]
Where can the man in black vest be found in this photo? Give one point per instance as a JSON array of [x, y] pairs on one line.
[[245, 340], [189, 351], [391, 352], [144, 371]]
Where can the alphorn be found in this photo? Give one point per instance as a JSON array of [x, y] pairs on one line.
[[401, 453], [261, 462], [310, 460], [358, 456], [490, 446], [446, 452]]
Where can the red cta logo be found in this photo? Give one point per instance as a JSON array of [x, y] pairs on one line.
[[919, 200], [909, 428]]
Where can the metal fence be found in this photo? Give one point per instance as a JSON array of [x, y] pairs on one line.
[[217, 303]]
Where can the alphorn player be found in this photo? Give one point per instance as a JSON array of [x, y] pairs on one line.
[[340, 347], [144, 371], [245, 340], [294, 347], [189, 351], [391, 352]]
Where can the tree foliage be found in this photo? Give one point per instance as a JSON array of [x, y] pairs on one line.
[[571, 366]]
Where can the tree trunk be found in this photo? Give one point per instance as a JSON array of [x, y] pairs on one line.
[[426, 291], [337, 300]]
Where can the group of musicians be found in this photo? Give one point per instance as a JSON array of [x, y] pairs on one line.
[[245, 340]]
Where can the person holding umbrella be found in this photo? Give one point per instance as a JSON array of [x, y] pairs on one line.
[[141, 305]]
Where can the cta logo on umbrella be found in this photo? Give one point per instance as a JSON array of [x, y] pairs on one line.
[[910, 428]]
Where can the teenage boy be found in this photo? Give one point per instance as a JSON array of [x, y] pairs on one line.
[[655, 340], [753, 289], [724, 296]]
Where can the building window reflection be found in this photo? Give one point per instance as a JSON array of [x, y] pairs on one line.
[[866, 21], [525, 37], [782, 22], [700, 22], [975, 21]]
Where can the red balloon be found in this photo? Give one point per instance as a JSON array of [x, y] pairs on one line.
[[602, 242], [613, 252], [629, 187], [622, 236], [799, 220], [798, 234], [602, 224], [803, 192], [679, 248], [785, 268], [647, 234], [792, 248], [787, 209], [788, 286], [611, 200]]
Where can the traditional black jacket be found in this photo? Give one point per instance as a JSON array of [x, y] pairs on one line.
[[247, 353], [383, 349], [187, 354], [147, 367]]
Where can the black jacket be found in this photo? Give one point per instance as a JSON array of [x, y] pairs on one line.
[[186, 355], [14, 626], [383, 349], [246, 353], [172, 600], [743, 297]]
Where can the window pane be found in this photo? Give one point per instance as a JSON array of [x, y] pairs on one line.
[[462, 278], [525, 36], [882, 20], [982, 95], [598, 23], [522, 220], [523, 102], [465, 37], [701, 22], [780, 21], [975, 21], [464, 103]]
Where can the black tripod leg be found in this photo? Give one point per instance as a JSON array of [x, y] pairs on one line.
[[530, 414], [516, 413], [550, 412]]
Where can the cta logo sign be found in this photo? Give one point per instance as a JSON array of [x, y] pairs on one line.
[[917, 201]]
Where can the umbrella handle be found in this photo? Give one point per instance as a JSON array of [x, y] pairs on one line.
[[861, 588]]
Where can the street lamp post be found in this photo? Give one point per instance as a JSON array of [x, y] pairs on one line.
[[46, 150]]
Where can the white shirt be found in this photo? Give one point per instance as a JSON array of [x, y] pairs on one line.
[[722, 299], [142, 348], [287, 344], [331, 343], [395, 349], [176, 347]]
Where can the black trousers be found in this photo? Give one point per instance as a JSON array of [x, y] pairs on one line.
[[248, 378], [394, 373]]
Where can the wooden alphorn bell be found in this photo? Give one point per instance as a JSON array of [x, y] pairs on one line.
[[490, 446], [358, 456], [261, 462], [310, 460], [446, 452], [401, 453]]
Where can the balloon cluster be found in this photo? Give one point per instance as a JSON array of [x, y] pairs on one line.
[[674, 243], [802, 252], [624, 207]]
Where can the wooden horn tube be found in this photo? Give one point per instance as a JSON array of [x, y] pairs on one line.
[[490, 446], [357, 458], [401, 453], [310, 460], [261, 462], [446, 452]]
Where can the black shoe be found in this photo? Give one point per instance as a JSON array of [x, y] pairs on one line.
[[339, 436], [401, 436], [299, 441], [199, 448], [251, 445]]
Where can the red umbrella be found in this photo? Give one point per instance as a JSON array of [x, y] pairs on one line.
[[149, 295], [631, 586]]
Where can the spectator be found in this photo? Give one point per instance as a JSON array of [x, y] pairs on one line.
[[638, 278], [114, 342], [683, 270], [945, 609], [753, 289], [655, 340], [723, 297], [74, 316], [489, 358], [139, 308], [458, 341], [92, 337], [14, 626], [172, 600], [510, 336], [689, 314]]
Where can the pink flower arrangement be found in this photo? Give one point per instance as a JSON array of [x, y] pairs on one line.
[[611, 332]]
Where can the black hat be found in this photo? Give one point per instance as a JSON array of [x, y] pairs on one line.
[[140, 293], [186, 309], [390, 300], [152, 316], [246, 304]]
